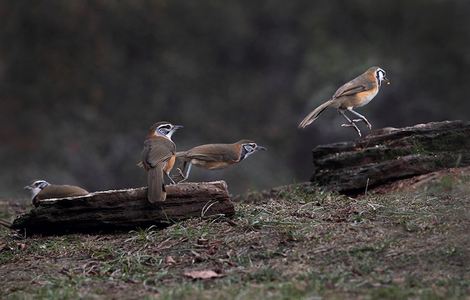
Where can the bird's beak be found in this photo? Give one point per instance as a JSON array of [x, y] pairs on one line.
[[176, 127], [261, 148], [386, 80], [28, 187]]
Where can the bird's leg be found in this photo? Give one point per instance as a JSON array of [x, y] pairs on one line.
[[185, 177], [180, 172], [362, 118], [169, 177], [351, 123], [189, 170]]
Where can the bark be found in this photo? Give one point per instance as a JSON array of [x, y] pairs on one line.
[[124, 209], [391, 154]]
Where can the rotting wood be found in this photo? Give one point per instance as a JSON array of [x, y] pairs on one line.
[[124, 209], [391, 154]]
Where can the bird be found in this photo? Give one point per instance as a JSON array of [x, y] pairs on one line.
[[355, 93], [41, 189], [158, 157], [216, 156]]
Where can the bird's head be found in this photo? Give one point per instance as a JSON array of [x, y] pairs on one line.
[[36, 187], [165, 129], [249, 147], [380, 75]]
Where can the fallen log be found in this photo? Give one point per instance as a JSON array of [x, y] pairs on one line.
[[125, 209], [391, 154]]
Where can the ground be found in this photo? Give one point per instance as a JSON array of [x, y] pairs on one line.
[[408, 241]]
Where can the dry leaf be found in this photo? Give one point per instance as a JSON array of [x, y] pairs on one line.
[[169, 260], [205, 274]]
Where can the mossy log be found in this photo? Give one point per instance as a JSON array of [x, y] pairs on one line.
[[390, 154], [125, 209]]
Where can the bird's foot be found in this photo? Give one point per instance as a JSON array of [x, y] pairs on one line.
[[369, 125], [172, 181], [182, 175], [353, 126]]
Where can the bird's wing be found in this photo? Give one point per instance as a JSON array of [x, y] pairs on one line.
[[60, 191], [76, 191], [214, 152], [157, 150], [352, 87]]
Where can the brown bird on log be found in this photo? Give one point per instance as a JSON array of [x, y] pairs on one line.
[[41, 189], [158, 157]]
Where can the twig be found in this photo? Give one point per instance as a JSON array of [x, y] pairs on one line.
[[367, 186]]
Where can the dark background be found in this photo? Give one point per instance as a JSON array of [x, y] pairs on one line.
[[81, 81]]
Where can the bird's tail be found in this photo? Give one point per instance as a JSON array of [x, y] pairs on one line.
[[181, 155], [314, 114], [156, 188]]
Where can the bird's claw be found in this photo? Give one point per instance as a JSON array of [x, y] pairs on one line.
[[353, 126], [180, 172], [182, 175], [369, 125]]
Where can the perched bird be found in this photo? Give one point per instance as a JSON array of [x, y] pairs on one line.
[[216, 156], [356, 93], [41, 189], [158, 157]]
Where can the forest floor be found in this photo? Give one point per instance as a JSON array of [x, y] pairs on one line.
[[409, 240]]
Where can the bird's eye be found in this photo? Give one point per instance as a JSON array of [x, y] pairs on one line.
[[163, 130], [40, 184]]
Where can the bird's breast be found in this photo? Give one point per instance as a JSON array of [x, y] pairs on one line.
[[169, 164], [210, 165], [363, 98]]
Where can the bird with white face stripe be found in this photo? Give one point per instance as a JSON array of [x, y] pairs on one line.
[[216, 156], [41, 189], [356, 93], [158, 158]]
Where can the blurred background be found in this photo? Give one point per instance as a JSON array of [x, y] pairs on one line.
[[81, 81]]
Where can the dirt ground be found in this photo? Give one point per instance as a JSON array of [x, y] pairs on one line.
[[405, 241]]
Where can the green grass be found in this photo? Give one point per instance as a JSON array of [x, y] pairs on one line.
[[297, 242]]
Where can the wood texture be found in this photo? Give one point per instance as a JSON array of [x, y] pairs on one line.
[[391, 154], [129, 208]]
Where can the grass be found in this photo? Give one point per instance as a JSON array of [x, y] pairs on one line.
[[296, 242]]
